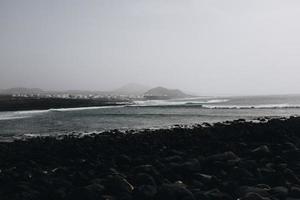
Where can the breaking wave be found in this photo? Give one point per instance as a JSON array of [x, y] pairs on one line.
[[20, 114], [31, 113], [186, 102], [264, 106], [84, 108]]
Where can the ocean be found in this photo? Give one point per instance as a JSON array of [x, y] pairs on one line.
[[146, 114]]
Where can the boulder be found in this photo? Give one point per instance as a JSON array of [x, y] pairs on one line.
[[144, 192], [244, 190], [254, 196], [144, 179], [295, 192], [261, 151], [279, 192], [118, 185], [229, 155], [174, 192]]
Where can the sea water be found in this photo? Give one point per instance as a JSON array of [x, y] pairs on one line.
[[146, 114]]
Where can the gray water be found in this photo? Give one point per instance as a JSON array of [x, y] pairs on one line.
[[146, 114]]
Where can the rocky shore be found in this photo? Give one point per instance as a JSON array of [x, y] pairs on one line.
[[11, 103], [230, 160]]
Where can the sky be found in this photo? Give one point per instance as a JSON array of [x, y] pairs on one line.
[[208, 47]]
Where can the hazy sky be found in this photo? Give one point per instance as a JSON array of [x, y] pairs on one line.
[[204, 46]]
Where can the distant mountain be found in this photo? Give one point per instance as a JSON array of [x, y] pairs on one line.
[[22, 91], [82, 92], [164, 93], [132, 89]]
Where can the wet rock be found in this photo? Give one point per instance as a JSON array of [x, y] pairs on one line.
[[279, 192], [144, 192], [254, 196], [89, 192], [185, 164], [107, 197], [244, 190], [263, 186], [248, 164], [292, 155], [229, 155], [123, 160], [291, 146], [291, 176], [268, 175], [175, 158], [261, 151], [207, 180], [118, 185], [176, 152], [295, 192], [59, 193], [241, 173], [28, 195], [145, 179], [174, 192], [148, 169], [191, 166], [216, 194], [93, 191]]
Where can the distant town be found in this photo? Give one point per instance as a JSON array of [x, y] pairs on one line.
[[74, 96], [16, 99]]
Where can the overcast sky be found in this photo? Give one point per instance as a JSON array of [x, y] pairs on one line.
[[204, 46]]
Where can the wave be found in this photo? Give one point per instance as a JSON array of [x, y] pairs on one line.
[[183, 102], [2, 118], [20, 114], [263, 106], [84, 108], [217, 100], [212, 104], [30, 113]]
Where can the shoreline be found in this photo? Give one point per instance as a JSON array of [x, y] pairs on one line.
[[230, 160], [18, 104], [124, 131]]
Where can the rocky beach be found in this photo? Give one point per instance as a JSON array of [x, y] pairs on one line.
[[231, 160], [11, 103]]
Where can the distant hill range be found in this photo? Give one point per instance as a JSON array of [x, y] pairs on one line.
[[131, 90], [21, 90], [164, 93]]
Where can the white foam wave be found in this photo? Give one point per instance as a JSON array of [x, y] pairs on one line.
[[263, 106], [2, 118], [20, 114], [30, 113], [156, 103], [84, 108], [177, 102], [217, 101]]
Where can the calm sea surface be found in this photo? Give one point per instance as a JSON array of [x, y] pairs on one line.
[[146, 114]]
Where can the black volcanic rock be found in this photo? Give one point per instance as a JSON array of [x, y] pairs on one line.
[[175, 192], [10, 103], [222, 161]]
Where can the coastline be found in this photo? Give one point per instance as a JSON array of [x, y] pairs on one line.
[[230, 160], [9, 103]]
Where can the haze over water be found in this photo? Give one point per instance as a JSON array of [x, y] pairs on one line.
[[206, 47], [209, 47]]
